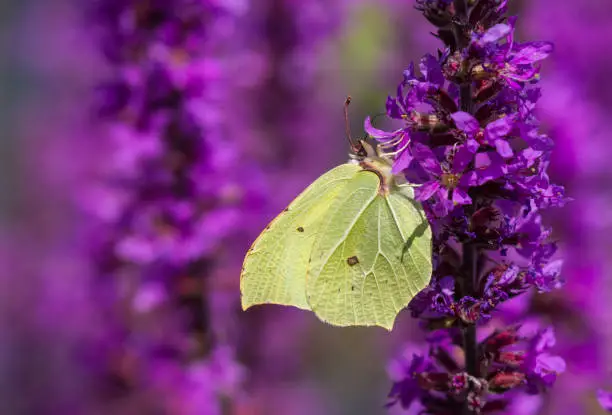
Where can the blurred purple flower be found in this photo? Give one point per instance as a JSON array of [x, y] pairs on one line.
[[173, 189], [406, 388], [605, 399], [540, 366], [582, 90]]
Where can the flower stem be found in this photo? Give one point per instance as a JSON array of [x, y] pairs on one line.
[[461, 9], [470, 343], [470, 251], [460, 23], [466, 97]]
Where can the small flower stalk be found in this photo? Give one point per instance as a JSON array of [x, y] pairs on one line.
[[471, 142]]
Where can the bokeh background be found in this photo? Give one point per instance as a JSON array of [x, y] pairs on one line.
[[73, 341]]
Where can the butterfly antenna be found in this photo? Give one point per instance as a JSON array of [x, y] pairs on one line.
[[347, 125]]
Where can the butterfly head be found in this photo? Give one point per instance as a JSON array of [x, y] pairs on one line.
[[361, 150], [370, 157]]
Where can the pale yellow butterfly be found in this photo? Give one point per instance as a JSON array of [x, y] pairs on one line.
[[354, 247]]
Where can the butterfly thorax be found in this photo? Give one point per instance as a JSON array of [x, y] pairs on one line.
[[382, 169], [380, 165]]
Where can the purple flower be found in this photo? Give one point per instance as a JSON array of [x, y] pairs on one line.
[[527, 233], [431, 70], [413, 93], [492, 36], [512, 62], [395, 142], [546, 278], [605, 399], [449, 185], [406, 387], [537, 141], [435, 301], [540, 366], [494, 133], [504, 283]]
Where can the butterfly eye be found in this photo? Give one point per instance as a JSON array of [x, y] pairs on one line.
[[361, 151]]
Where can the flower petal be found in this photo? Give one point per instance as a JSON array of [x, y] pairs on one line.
[[431, 70], [547, 363], [466, 122], [488, 166], [463, 157], [427, 159], [495, 33], [545, 340], [503, 148], [535, 140], [499, 128], [394, 108], [427, 190], [528, 53], [469, 179], [460, 197], [374, 132], [402, 161], [409, 74]]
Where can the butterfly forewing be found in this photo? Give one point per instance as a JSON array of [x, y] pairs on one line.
[[274, 270]]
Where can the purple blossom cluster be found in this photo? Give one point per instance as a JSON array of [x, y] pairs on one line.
[[170, 194], [471, 143]]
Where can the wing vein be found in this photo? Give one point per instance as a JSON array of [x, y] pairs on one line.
[[380, 295], [351, 225], [418, 248], [395, 221], [396, 280]]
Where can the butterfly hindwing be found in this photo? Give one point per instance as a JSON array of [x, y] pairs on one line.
[[410, 219], [371, 256]]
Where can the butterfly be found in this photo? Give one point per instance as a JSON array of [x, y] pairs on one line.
[[354, 247]]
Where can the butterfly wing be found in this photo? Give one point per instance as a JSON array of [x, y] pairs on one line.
[[274, 270], [372, 255]]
